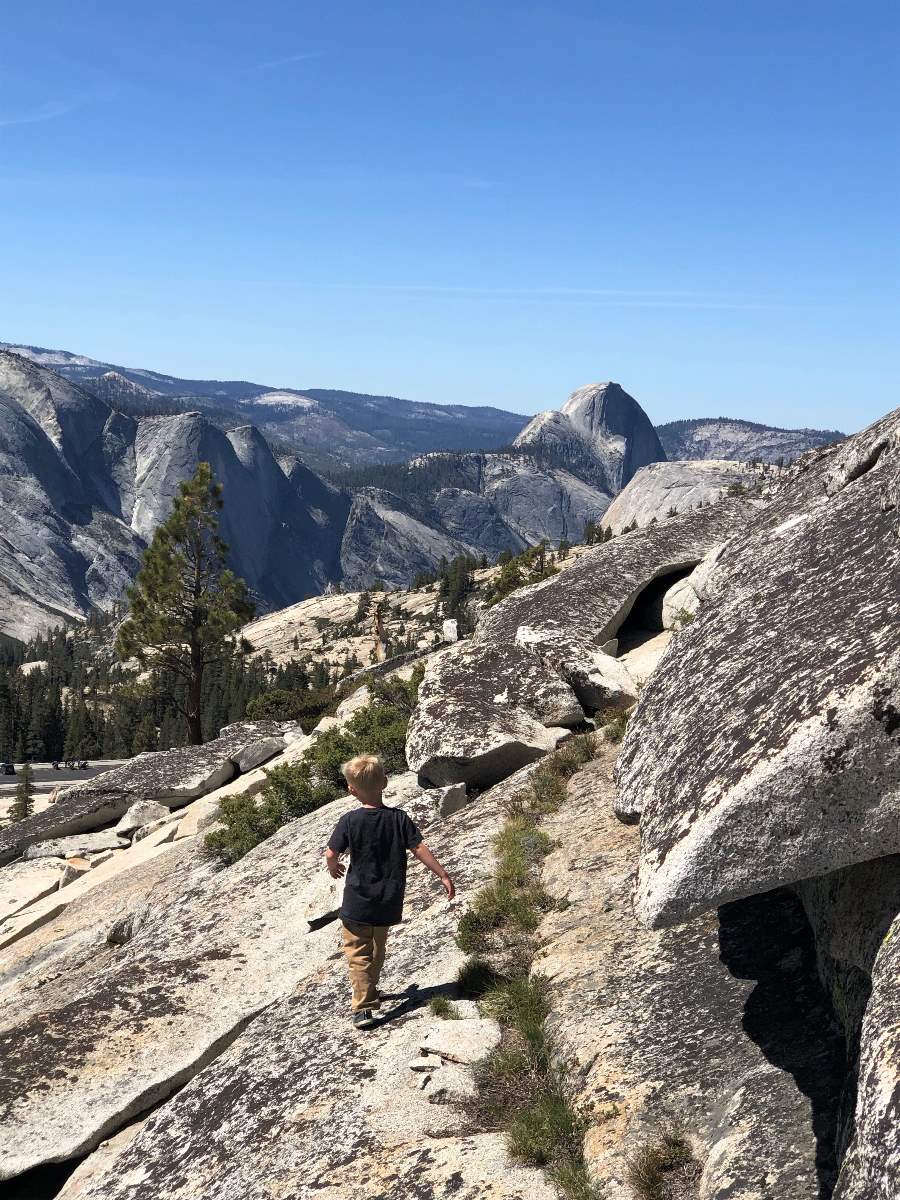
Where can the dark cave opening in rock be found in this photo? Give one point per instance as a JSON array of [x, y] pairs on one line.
[[40, 1183], [788, 1014], [644, 619]]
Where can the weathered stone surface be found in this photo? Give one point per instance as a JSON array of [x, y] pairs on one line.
[[259, 752], [43, 911], [77, 845], [483, 711], [597, 679], [871, 1170], [465, 1041], [593, 597], [661, 489], [172, 777], [23, 883], [169, 824], [602, 431], [270, 1116], [765, 747], [679, 604], [79, 1184], [145, 812], [77, 933], [642, 659], [719, 1027]]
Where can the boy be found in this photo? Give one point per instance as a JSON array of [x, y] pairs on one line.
[[378, 839]]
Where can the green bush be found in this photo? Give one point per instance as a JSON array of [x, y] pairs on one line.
[[284, 704], [546, 1131], [248, 820], [295, 789]]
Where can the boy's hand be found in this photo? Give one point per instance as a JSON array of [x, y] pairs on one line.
[[335, 868], [448, 887]]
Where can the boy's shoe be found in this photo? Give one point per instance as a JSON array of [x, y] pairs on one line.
[[364, 1019]]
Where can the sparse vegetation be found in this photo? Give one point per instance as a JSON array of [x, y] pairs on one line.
[[296, 789], [531, 566], [520, 1089], [444, 1008], [659, 1169]]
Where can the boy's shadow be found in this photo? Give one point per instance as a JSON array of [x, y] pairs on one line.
[[412, 999]]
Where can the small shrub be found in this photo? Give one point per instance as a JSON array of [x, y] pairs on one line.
[[545, 1131], [476, 977], [444, 1008], [248, 820], [522, 1005], [652, 1167], [573, 1181], [684, 617]]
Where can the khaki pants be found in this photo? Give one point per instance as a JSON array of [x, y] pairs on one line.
[[364, 947]]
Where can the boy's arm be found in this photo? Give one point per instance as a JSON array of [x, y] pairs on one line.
[[333, 864], [424, 855]]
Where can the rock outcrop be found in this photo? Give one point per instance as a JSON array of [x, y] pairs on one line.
[[483, 712], [727, 437], [237, 1009], [171, 777], [719, 1028], [601, 430], [660, 490], [790, 767]]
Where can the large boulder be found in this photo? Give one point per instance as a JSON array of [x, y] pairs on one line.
[[483, 711], [597, 679], [765, 748], [171, 777], [661, 489], [871, 1169], [719, 1029], [141, 814], [592, 598], [23, 883]]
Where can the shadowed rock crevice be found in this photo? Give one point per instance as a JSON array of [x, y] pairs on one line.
[[645, 614], [767, 938]]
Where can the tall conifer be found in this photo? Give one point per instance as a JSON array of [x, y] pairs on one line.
[[186, 606]]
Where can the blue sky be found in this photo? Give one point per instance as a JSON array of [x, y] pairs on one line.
[[478, 202]]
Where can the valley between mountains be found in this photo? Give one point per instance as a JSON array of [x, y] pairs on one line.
[[324, 488]]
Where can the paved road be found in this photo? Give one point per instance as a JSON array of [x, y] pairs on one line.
[[45, 776]]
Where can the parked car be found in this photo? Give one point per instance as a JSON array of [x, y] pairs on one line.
[[7, 769]]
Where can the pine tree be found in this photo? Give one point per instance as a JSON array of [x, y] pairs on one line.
[[186, 606], [23, 805]]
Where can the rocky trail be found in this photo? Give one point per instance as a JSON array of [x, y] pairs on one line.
[[719, 939]]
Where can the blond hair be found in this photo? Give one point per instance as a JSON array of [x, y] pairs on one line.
[[366, 772]]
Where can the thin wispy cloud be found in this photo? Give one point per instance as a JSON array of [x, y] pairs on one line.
[[51, 110], [272, 63]]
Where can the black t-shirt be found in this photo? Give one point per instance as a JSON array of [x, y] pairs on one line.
[[378, 839]]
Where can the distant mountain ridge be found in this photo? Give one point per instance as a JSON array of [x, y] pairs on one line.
[[746, 441], [329, 429], [86, 485]]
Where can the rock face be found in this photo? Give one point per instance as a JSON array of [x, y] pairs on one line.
[[708, 1028], [483, 711], [241, 1007], [602, 430], [871, 1170], [660, 490], [84, 486], [498, 502], [592, 598], [790, 767], [726, 437], [171, 777]]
